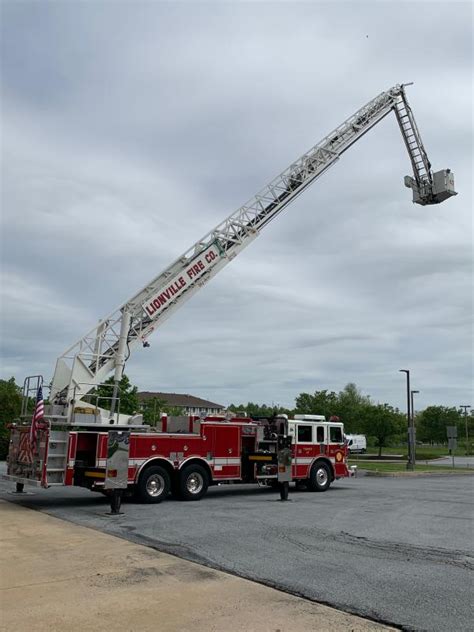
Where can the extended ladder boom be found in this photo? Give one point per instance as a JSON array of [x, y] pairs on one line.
[[107, 346]]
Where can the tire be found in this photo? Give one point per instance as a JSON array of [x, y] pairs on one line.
[[193, 482], [320, 477], [153, 485]]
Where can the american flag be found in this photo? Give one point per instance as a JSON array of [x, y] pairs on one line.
[[37, 418]]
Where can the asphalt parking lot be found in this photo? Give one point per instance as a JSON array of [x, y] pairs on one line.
[[398, 550]]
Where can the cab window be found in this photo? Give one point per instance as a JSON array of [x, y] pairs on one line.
[[335, 434], [305, 434], [320, 434]]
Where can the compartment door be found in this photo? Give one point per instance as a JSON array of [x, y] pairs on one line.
[[227, 456]]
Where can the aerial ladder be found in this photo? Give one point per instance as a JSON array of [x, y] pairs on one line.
[[106, 348]]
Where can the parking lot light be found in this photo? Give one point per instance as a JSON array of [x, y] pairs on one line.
[[410, 463], [413, 427]]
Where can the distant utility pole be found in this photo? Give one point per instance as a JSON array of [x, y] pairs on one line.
[[465, 407], [413, 428], [411, 452]]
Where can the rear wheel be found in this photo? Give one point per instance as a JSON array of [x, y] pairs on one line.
[[320, 477], [154, 484], [193, 482]]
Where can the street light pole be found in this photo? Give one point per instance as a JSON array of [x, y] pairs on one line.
[[410, 465], [465, 407], [413, 431]]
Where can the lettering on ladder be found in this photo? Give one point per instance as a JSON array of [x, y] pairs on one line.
[[178, 285]]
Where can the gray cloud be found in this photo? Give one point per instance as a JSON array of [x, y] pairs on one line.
[[129, 130]]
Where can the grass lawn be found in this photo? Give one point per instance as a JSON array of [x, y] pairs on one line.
[[423, 452], [401, 467]]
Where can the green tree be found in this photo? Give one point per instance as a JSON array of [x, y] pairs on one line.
[[10, 407], [431, 423], [154, 407], [258, 410], [127, 393], [350, 406], [382, 422], [320, 403], [347, 405]]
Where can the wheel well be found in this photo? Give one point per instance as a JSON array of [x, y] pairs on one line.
[[328, 463], [200, 462], [162, 462]]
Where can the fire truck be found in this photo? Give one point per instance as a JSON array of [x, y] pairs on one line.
[[186, 456], [79, 442]]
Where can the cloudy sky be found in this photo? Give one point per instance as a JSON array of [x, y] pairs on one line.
[[130, 129]]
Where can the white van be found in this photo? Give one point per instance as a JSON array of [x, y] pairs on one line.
[[356, 443]]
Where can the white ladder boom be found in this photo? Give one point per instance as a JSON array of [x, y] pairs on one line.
[[107, 346]]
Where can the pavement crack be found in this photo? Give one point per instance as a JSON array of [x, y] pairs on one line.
[[387, 548], [412, 552]]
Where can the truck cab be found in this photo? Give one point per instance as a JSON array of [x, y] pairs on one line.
[[316, 440]]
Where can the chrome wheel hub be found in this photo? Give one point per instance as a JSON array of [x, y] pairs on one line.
[[194, 483], [155, 485], [322, 476]]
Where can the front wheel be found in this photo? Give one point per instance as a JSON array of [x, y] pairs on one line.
[[153, 485], [193, 482], [320, 477]]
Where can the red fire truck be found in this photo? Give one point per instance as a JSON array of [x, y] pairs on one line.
[[187, 455], [76, 444]]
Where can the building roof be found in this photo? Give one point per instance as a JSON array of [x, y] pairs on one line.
[[179, 399]]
